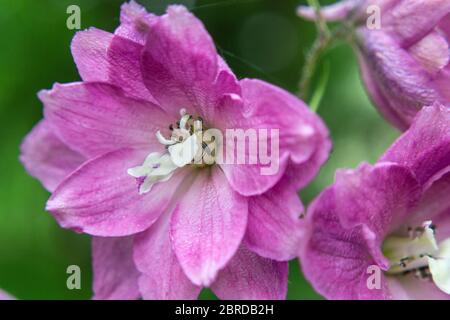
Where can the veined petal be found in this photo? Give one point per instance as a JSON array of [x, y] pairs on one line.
[[134, 22], [46, 157], [162, 276], [115, 275], [95, 118], [347, 224], [207, 226], [285, 120], [385, 107], [412, 20], [379, 196], [101, 199], [425, 147], [250, 277], [402, 80], [435, 201], [432, 52], [89, 50], [334, 259], [274, 229], [180, 63]]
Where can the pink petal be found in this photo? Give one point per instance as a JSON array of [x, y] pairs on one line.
[[46, 158], [402, 80], [274, 229], [409, 287], [425, 147], [444, 26], [101, 199], [5, 296], [134, 22], [334, 12], [89, 50], [412, 20], [301, 134], [347, 224], [162, 277], [180, 63], [95, 118], [398, 119], [432, 52], [435, 202], [207, 226], [250, 277], [115, 275], [379, 196], [124, 58], [335, 260]]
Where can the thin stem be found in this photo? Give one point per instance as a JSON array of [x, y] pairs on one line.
[[311, 61], [321, 43], [320, 21]]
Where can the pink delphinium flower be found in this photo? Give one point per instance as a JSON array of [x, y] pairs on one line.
[[390, 220], [165, 226], [405, 62]]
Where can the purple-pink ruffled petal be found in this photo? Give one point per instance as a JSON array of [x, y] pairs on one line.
[[347, 224], [425, 147]]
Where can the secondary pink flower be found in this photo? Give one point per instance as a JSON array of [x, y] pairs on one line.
[[117, 152], [390, 220], [5, 296], [405, 63]]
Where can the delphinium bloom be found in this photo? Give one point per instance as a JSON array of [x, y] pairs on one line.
[[383, 231], [403, 56], [117, 152]]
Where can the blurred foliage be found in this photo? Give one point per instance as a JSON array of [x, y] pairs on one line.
[[259, 38]]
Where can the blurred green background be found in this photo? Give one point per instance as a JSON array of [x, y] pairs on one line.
[[258, 38]]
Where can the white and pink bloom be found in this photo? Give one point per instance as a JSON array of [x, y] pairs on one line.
[[117, 152], [393, 217], [5, 296], [404, 57]]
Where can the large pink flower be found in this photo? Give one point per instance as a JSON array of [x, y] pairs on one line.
[[164, 225], [405, 59], [383, 231]]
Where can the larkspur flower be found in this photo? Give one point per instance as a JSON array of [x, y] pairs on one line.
[[394, 216], [116, 150], [405, 63]]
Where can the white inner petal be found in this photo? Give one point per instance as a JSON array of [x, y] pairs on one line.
[[183, 153], [407, 254], [440, 267]]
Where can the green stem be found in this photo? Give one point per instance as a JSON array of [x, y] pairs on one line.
[[322, 42]]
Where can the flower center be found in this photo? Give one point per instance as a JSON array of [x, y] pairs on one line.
[[185, 146], [420, 254]]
